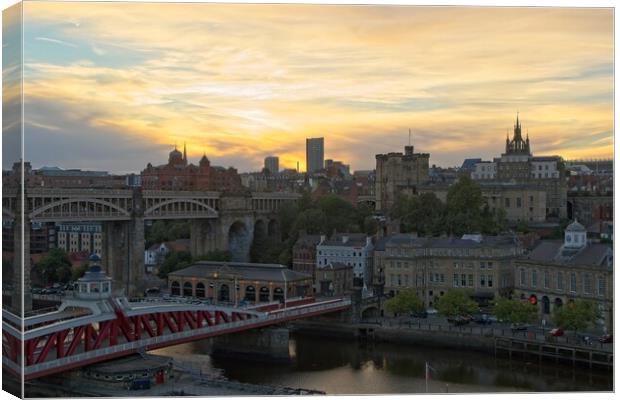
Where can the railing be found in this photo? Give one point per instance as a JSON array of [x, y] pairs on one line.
[[494, 332]]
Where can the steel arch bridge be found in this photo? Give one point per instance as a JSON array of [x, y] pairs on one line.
[[112, 328]]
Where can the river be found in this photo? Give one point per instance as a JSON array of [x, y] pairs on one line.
[[340, 366]]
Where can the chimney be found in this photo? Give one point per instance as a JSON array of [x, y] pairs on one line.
[[345, 238], [368, 240], [322, 238]]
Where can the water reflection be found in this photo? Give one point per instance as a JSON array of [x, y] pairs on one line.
[[344, 367]]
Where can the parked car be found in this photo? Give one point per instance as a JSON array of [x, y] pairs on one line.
[[556, 332], [481, 319], [36, 290], [607, 338], [458, 321], [420, 314], [518, 327], [431, 311]]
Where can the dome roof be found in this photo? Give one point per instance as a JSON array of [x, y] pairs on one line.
[[94, 274], [175, 153], [94, 258], [575, 227]]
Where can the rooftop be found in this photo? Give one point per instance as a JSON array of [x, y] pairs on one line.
[[552, 251], [246, 271]]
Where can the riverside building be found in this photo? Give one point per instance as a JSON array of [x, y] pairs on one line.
[[432, 266], [557, 272]]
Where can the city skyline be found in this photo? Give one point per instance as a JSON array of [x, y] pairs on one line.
[[242, 92]]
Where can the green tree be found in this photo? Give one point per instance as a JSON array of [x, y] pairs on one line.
[[576, 315], [456, 302], [215, 255], [164, 231], [174, 261], [464, 207], [55, 267], [515, 311], [405, 302], [79, 272]]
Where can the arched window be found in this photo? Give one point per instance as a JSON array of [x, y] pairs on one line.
[[278, 295], [250, 293], [224, 293], [200, 289], [188, 289], [175, 289], [263, 294]]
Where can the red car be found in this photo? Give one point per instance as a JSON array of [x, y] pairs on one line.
[[556, 332]]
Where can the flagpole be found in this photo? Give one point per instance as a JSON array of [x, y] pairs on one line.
[[426, 374]]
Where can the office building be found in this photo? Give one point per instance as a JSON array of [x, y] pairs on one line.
[[315, 154]]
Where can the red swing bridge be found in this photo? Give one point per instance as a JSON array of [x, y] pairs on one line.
[[94, 327]]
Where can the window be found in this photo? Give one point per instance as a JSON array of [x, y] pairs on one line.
[[399, 281], [430, 277], [470, 280], [463, 280], [490, 265], [455, 283], [587, 283], [534, 277], [522, 279], [601, 286], [560, 281], [547, 278], [507, 202], [441, 278], [481, 264], [483, 280], [490, 280], [518, 202], [573, 282], [406, 280]]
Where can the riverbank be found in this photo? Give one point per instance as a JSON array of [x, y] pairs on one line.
[[489, 340], [185, 381]]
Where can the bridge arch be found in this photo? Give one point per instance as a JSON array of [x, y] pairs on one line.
[[239, 241], [370, 312], [89, 208], [182, 206], [273, 229]]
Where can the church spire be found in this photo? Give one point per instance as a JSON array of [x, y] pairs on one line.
[[184, 152]]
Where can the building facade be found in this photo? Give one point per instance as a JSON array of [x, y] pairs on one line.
[[80, 237], [398, 173], [520, 202], [315, 154], [557, 272], [178, 174], [353, 249], [232, 282], [304, 255], [334, 280], [433, 266], [272, 164], [517, 165]]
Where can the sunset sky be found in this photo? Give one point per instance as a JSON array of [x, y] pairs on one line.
[[113, 86]]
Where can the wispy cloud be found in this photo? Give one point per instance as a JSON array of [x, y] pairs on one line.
[[55, 41], [242, 88]]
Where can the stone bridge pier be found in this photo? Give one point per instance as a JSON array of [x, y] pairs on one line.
[[257, 344]]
